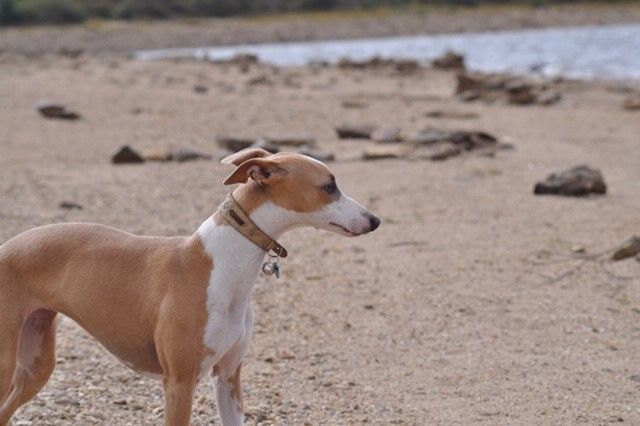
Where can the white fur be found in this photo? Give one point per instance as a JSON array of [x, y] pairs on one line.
[[236, 263]]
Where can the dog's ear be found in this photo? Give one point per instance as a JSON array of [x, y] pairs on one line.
[[244, 155], [261, 170]]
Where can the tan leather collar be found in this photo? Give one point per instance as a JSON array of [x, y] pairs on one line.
[[237, 218]]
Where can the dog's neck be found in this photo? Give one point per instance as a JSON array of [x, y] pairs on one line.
[[236, 259]]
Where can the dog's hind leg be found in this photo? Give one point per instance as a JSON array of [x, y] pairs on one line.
[[35, 361]]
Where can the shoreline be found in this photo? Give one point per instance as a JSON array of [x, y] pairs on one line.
[[109, 38]]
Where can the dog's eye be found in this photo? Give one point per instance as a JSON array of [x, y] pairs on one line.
[[330, 188]]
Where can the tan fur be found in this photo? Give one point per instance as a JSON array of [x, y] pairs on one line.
[[301, 190], [116, 284]]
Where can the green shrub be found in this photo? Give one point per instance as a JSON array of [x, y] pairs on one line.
[[49, 11]]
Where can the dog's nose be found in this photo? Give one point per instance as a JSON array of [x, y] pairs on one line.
[[374, 222]]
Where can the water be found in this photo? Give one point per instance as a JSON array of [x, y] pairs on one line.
[[610, 52]]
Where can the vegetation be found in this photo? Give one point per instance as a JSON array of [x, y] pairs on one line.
[[68, 11]]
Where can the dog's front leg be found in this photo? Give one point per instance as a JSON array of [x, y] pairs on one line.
[[227, 377], [229, 396], [178, 397]]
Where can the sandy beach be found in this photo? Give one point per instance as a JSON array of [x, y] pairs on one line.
[[476, 302]]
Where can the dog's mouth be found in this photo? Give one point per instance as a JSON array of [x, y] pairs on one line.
[[344, 230]]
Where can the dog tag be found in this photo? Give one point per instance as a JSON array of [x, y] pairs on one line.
[[271, 269]]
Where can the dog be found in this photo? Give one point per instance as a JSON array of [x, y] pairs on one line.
[[176, 308]]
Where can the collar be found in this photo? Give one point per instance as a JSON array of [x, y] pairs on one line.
[[235, 216]]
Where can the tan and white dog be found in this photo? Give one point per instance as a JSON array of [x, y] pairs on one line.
[[174, 307]]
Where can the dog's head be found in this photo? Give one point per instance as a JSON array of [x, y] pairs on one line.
[[302, 189]]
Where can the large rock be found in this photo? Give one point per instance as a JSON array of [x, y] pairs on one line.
[[126, 155], [50, 109], [355, 131], [577, 182], [449, 61]]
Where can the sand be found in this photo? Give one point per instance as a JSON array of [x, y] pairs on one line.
[[467, 306]]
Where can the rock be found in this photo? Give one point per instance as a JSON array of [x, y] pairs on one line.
[[445, 152], [406, 66], [261, 79], [70, 205], [242, 60], [578, 181], [449, 61], [233, 143], [472, 140], [385, 152], [200, 88], [401, 66], [386, 134], [454, 115], [291, 140], [54, 110], [355, 131], [69, 52], [635, 378], [354, 104], [466, 82], [126, 155], [520, 93], [325, 157], [632, 103], [630, 248]]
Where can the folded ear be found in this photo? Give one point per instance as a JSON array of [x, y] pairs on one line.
[[244, 155], [259, 169]]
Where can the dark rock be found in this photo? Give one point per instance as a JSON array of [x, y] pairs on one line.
[[445, 152], [466, 82], [472, 140], [70, 205], [355, 131], [233, 143], [54, 110], [126, 155], [449, 61], [630, 248], [578, 181], [520, 93], [200, 88], [453, 115]]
